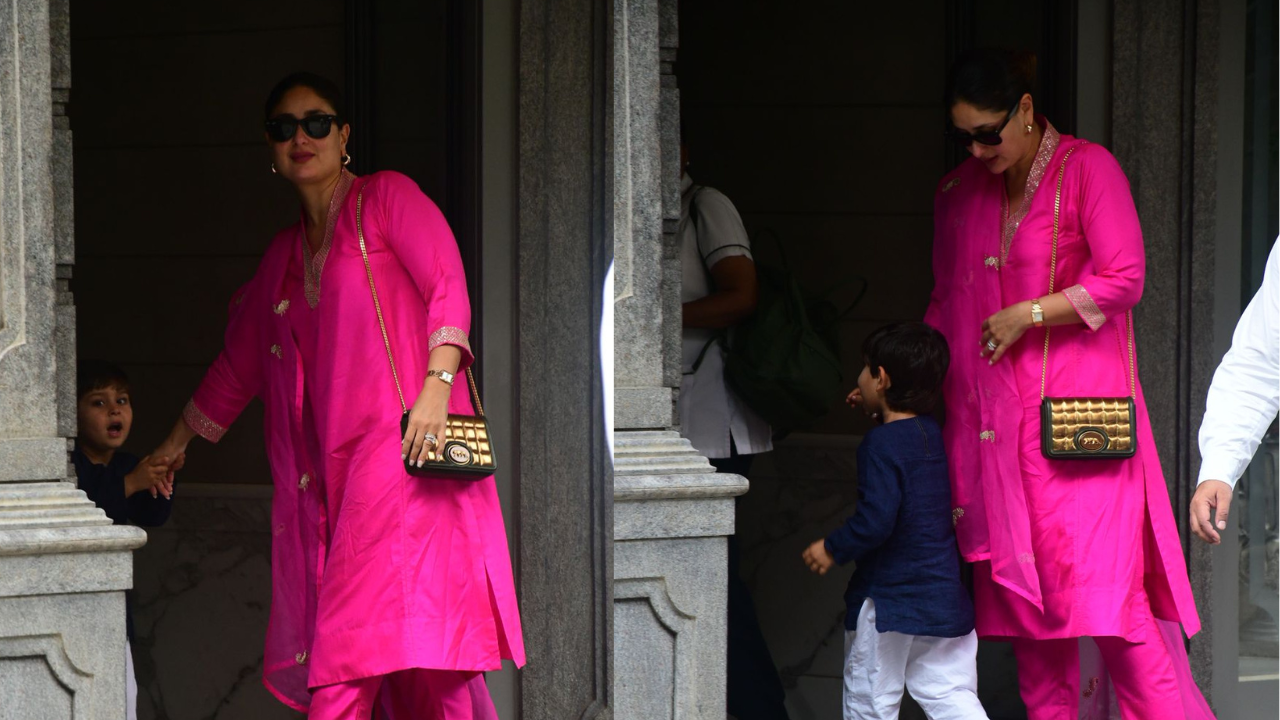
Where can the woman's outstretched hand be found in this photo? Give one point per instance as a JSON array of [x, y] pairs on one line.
[[426, 421], [174, 449], [1002, 330]]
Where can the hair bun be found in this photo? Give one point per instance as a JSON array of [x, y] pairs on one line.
[[992, 79]]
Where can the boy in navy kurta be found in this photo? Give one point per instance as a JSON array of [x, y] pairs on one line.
[[909, 620], [129, 490]]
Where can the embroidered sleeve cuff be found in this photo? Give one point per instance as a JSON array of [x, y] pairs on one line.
[[1085, 307], [204, 427], [449, 336]]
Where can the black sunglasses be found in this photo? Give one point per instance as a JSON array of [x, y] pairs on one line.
[[987, 137], [282, 127]]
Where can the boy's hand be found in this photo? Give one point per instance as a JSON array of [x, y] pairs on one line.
[[855, 398], [151, 474], [817, 557]]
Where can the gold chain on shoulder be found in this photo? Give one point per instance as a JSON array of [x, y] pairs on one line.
[[1053, 267], [364, 253], [376, 305]]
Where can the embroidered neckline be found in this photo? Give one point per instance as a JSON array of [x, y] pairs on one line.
[[1010, 224], [313, 266]]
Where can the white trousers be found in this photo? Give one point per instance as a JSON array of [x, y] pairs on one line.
[[130, 685], [940, 673]]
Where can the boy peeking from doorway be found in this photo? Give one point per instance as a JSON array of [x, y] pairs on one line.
[[128, 489], [909, 619]]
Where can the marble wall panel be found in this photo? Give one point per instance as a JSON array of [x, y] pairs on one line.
[[202, 593]]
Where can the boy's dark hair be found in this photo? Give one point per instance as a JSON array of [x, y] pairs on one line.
[[324, 87], [991, 79], [916, 357], [98, 374]]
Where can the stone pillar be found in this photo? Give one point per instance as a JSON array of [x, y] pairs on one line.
[[63, 565], [671, 514], [566, 485], [672, 511], [1164, 133]]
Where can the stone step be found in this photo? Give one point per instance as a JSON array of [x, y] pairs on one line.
[[656, 452], [13, 518], [47, 505], [17, 492]]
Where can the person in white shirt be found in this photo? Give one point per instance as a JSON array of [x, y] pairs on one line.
[[1243, 400], [718, 276], [718, 291]]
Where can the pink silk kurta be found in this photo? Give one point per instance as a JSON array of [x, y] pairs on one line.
[[1075, 548], [373, 570]]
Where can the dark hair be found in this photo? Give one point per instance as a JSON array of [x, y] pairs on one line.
[[324, 87], [98, 374], [916, 357], [991, 79]]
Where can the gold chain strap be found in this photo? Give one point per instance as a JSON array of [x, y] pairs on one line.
[[364, 253], [1053, 268]]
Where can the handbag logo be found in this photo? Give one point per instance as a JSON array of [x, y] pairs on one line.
[[1092, 440], [460, 454]]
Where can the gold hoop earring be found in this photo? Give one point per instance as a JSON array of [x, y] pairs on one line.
[[273, 168], [346, 159]]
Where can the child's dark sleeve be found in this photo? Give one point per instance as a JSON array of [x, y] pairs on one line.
[[104, 484], [879, 496], [149, 511], [143, 509]]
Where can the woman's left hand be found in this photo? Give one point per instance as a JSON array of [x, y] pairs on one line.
[[1002, 330], [426, 421]]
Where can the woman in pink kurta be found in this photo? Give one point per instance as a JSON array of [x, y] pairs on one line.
[[1063, 549], [387, 590]]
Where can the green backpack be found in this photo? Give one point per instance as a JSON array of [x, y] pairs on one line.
[[784, 360]]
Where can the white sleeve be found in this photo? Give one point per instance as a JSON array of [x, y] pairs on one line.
[[720, 230], [1245, 393]]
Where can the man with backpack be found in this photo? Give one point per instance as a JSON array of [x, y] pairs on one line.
[[719, 291]]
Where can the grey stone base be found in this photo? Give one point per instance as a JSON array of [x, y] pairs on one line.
[[670, 568], [63, 571]]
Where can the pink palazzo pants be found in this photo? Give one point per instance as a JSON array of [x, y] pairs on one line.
[[1142, 674], [406, 695]]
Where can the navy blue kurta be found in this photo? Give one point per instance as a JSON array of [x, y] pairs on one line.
[[104, 484], [902, 536]]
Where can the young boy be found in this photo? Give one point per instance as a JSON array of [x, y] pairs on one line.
[[909, 619], [129, 490]]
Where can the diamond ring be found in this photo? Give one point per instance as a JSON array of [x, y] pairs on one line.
[[991, 345], [431, 439]]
